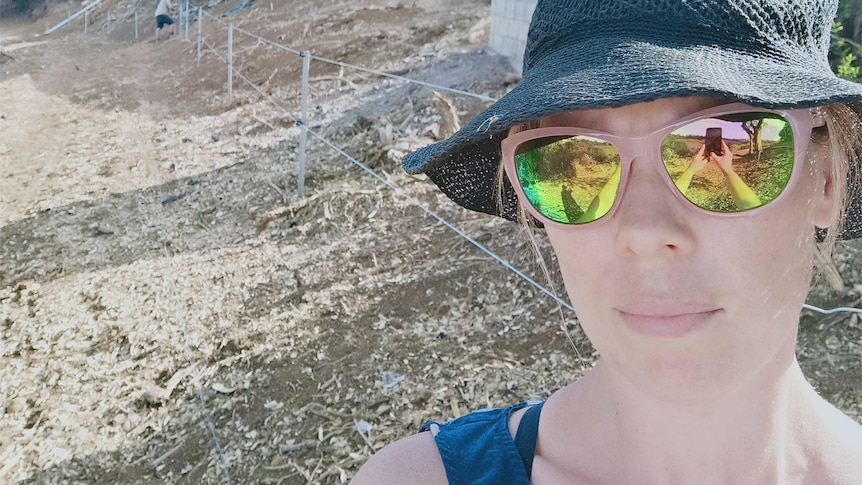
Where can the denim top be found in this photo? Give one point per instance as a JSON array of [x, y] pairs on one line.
[[477, 448]]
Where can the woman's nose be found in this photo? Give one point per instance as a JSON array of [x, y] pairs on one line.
[[650, 219]]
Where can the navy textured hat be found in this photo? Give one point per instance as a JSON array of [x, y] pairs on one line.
[[584, 54]]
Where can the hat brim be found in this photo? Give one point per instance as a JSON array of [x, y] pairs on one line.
[[609, 73]]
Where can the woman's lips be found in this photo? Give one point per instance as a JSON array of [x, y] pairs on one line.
[[670, 324]]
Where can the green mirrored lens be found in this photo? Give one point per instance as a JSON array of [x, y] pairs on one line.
[[572, 180], [753, 171]]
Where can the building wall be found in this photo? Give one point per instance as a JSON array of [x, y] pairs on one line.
[[510, 20]]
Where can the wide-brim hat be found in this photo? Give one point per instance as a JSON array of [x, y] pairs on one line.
[[587, 54]]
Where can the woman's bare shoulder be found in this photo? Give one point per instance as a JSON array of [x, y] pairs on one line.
[[848, 447], [839, 448], [413, 460]]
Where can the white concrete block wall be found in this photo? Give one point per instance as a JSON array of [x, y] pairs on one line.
[[510, 20]]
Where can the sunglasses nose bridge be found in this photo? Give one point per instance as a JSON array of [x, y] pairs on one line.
[[634, 148]]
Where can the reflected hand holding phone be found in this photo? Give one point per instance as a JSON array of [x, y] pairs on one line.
[[724, 159]]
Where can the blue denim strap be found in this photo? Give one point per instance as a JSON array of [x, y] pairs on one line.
[[525, 437], [477, 448]]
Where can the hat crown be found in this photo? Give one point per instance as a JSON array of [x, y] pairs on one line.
[[798, 28]]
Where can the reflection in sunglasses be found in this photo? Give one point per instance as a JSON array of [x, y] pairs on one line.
[[727, 164]]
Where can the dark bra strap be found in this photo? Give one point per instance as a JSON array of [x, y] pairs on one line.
[[525, 437]]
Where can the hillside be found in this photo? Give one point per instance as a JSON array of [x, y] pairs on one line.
[[154, 254]]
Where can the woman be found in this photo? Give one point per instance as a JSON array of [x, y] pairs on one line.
[[708, 142]]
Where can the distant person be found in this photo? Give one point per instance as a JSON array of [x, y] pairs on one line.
[[163, 16]]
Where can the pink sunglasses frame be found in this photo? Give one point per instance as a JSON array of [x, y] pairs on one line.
[[802, 121]]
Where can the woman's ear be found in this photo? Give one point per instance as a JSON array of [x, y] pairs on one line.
[[825, 201], [825, 197]]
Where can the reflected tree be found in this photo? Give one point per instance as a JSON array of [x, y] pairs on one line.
[[754, 128]]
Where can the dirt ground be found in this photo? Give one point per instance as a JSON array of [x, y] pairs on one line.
[[172, 312]]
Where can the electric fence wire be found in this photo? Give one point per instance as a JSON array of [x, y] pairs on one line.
[[267, 41], [190, 357], [360, 68], [193, 366], [207, 14], [400, 192], [446, 223], [402, 78], [215, 53]]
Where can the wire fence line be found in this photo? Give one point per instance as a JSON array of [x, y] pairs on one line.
[[222, 460], [201, 11], [269, 42], [354, 66], [398, 190]]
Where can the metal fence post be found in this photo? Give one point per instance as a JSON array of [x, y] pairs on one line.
[[109, 22], [186, 23], [229, 63], [86, 20], [303, 127], [136, 26], [200, 36]]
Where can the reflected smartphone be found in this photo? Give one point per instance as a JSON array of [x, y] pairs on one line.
[[713, 141]]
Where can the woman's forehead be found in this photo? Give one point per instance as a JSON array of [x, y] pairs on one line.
[[634, 119]]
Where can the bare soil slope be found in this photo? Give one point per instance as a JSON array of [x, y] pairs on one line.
[[154, 255]]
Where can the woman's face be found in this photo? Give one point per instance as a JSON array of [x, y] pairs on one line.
[[682, 304]]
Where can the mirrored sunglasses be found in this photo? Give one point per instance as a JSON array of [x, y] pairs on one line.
[[729, 160]]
